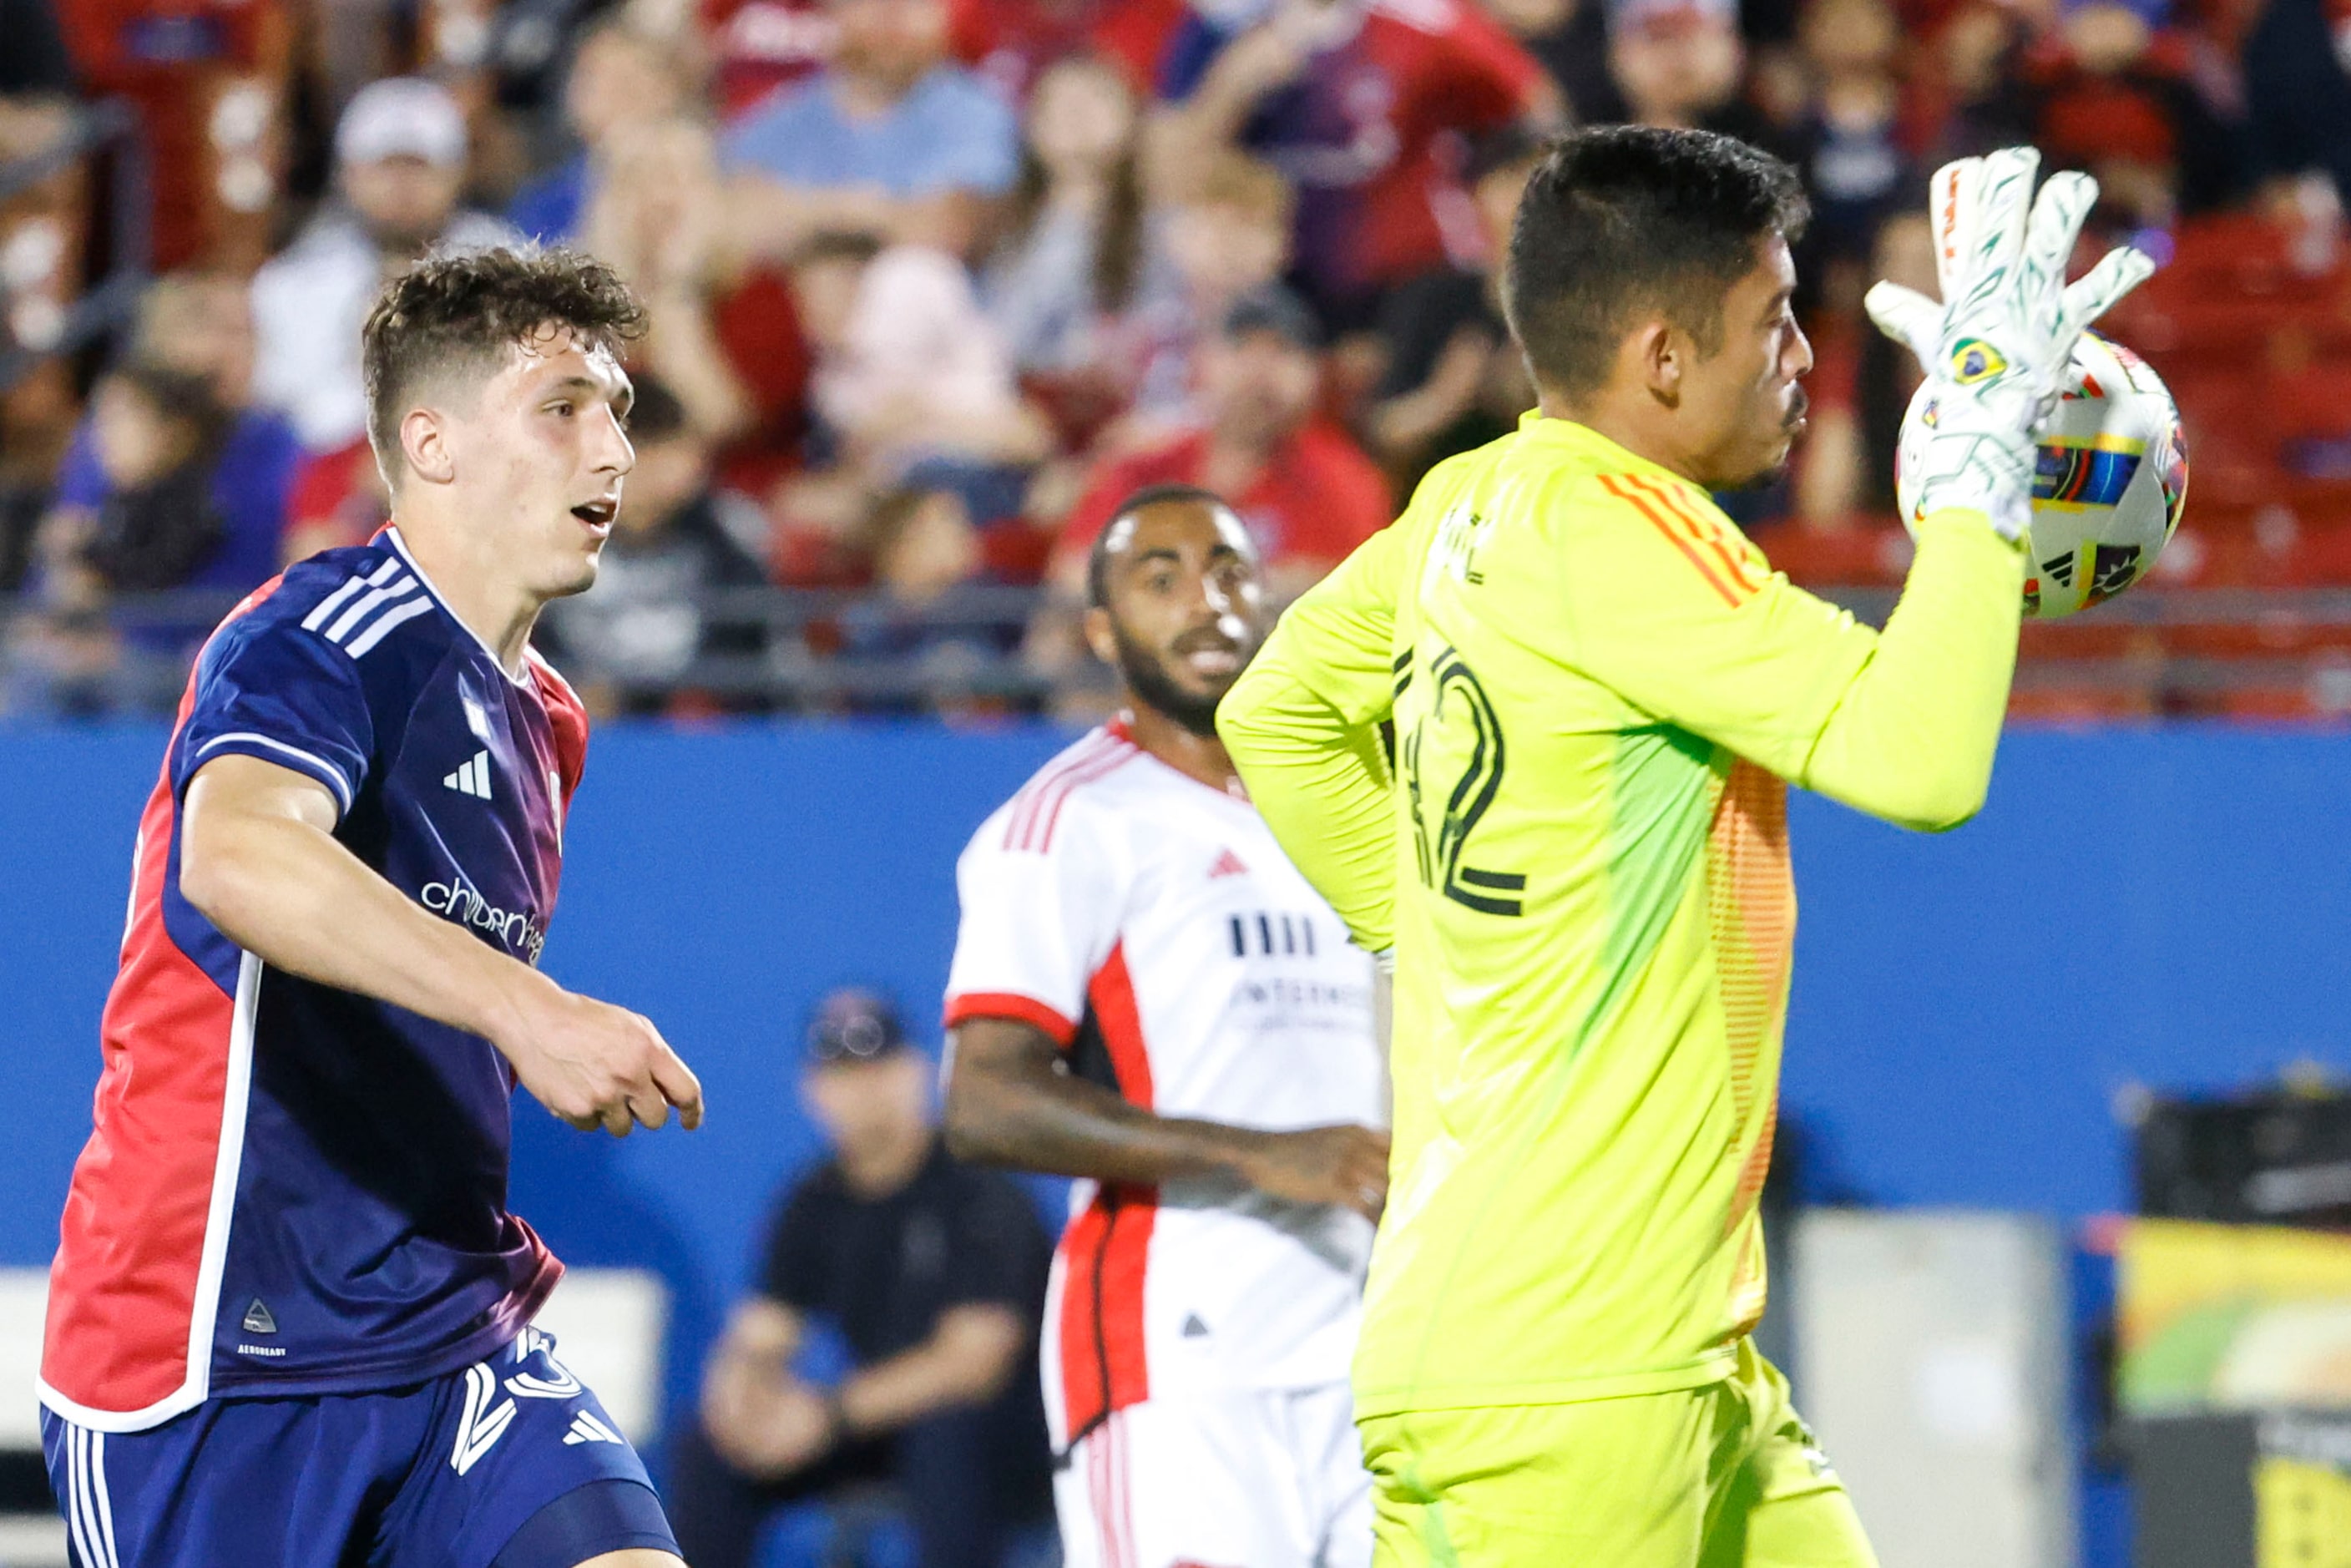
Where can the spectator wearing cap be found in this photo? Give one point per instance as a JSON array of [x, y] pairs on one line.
[[933, 1272], [891, 139], [1358, 104], [1306, 492], [400, 153]]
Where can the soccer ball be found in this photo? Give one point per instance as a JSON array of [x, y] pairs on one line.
[[2109, 486]]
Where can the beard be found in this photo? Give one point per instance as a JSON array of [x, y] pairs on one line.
[[1146, 677]]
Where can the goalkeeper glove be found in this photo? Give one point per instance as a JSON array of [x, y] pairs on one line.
[[1996, 349]]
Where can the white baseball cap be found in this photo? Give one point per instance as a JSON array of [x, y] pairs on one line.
[[403, 117]]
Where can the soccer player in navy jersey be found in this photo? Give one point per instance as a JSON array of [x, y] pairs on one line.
[[290, 1320]]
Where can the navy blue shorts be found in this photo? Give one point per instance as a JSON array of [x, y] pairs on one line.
[[508, 1464]]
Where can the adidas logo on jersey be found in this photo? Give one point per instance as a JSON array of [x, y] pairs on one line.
[[1228, 864], [473, 779], [586, 1429], [257, 1318]]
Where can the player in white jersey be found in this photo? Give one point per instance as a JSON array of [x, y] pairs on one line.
[[1146, 995]]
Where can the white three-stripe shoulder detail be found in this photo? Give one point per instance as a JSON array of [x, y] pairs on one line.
[[359, 614], [341, 596], [384, 624], [368, 605]]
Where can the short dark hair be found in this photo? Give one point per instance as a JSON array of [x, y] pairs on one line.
[[1623, 218], [468, 308], [1098, 557]]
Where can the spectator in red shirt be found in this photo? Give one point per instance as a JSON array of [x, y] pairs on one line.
[[1308, 493], [1010, 42], [1363, 106], [759, 46]]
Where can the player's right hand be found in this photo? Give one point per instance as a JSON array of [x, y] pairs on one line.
[[596, 1065], [1342, 1165]]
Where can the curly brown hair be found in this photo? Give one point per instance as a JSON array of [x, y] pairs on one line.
[[466, 310]]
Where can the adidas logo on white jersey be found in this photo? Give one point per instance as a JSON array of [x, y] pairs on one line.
[[473, 779]]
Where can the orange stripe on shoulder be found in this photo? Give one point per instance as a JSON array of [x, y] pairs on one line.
[[1708, 532], [1618, 485]]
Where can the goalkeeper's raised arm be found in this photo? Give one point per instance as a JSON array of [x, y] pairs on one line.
[[1670, 365]]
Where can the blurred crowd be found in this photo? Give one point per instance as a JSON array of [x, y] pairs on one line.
[[934, 282]]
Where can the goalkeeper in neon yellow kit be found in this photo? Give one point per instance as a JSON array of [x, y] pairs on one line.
[[1598, 687]]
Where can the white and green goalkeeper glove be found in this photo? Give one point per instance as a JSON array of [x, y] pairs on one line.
[[1995, 349]]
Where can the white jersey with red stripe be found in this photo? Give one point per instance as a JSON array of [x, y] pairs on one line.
[[1150, 925]]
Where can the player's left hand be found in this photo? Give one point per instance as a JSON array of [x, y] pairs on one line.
[[1997, 346]]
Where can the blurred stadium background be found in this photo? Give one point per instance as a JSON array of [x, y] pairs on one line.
[[933, 282]]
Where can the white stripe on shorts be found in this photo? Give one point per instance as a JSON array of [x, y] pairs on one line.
[[105, 1501]]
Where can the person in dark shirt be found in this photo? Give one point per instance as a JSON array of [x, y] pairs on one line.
[[632, 645], [33, 58], [200, 324], [152, 523], [933, 1272], [1454, 379]]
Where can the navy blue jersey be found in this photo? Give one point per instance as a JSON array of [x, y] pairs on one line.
[[291, 1189]]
